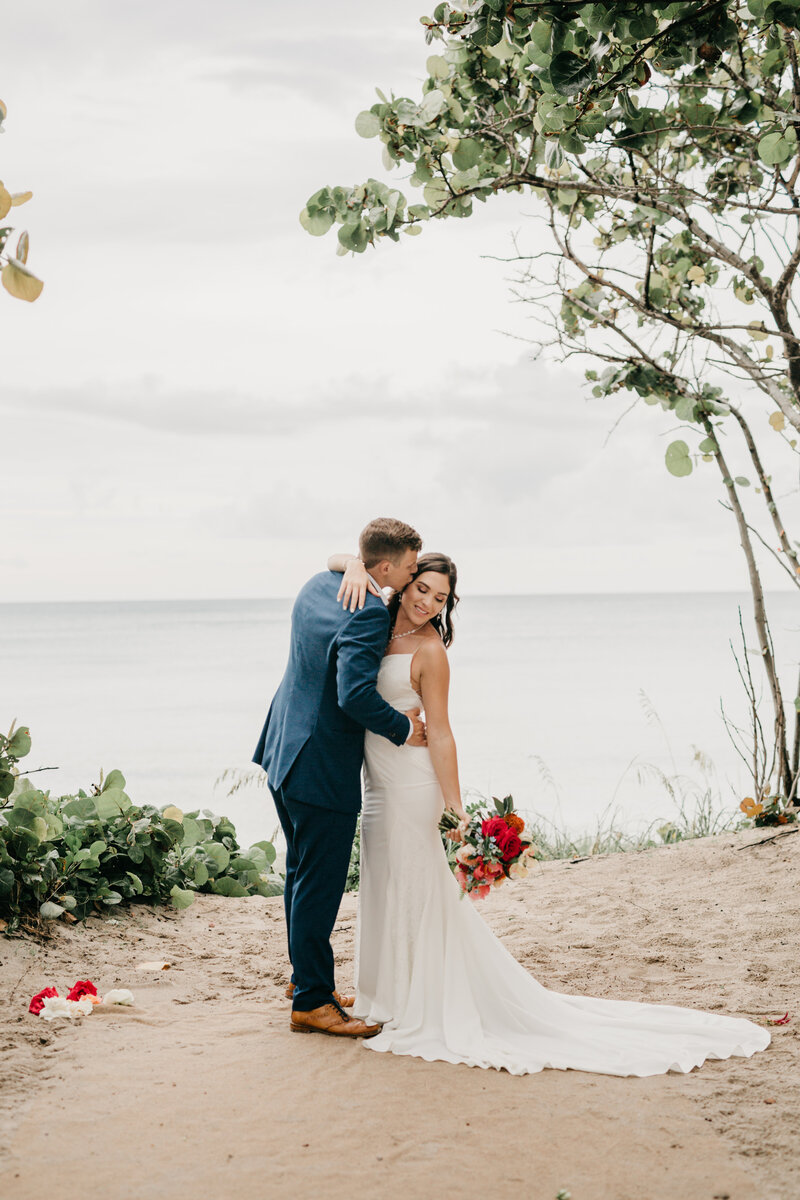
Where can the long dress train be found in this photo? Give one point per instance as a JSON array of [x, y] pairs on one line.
[[447, 989]]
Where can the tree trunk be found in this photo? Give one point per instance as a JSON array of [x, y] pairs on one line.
[[759, 612]]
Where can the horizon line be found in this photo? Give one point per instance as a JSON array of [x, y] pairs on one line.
[[464, 596]]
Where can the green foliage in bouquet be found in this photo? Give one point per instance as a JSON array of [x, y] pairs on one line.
[[78, 854]]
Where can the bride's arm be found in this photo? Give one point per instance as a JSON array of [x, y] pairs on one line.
[[355, 583], [434, 674]]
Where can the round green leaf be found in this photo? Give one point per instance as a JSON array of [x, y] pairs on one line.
[[316, 225], [368, 125], [181, 898], [217, 852], [437, 67], [570, 74], [268, 848], [228, 887], [433, 103], [20, 743], [436, 193], [466, 154], [677, 459], [201, 875], [774, 149]]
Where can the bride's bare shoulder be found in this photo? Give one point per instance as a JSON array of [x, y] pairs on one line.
[[432, 654]]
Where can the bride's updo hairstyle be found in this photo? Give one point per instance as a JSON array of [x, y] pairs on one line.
[[442, 565]]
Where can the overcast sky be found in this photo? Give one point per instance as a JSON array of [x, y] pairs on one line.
[[205, 401]]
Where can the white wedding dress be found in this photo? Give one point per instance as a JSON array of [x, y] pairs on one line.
[[429, 967]]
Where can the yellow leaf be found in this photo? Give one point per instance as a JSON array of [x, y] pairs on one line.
[[22, 247], [172, 813], [18, 198], [20, 282], [778, 421], [5, 202], [696, 274], [757, 331], [3, 111]]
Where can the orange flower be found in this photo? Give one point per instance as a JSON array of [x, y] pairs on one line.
[[514, 822]]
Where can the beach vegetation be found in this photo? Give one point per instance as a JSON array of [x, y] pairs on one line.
[[660, 142], [72, 856]]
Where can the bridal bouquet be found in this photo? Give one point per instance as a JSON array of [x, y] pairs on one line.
[[495, 847]]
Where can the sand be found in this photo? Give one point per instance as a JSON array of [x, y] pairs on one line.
[[202, 1090]]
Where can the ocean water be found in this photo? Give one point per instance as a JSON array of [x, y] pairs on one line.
[[552, 697]]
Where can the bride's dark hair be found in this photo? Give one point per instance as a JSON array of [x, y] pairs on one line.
[[443, 621]]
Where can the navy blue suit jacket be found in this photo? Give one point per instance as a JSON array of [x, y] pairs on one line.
[[327, 697]]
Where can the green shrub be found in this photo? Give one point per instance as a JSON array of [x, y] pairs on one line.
[[79, 854]]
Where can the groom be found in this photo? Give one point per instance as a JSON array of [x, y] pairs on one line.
[[311, 748]]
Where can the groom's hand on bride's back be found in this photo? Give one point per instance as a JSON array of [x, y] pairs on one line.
[[419, 737]]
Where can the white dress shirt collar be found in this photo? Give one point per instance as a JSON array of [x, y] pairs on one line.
[[378, 586]]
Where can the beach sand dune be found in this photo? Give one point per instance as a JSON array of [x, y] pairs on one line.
[[201, 1089]]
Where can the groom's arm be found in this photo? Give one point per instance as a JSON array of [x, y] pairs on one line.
[[361, 644]]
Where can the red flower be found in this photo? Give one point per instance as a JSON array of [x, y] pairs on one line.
[[37, 1003], [494, 827], [511, 847], [84, 987], [780, 1020]]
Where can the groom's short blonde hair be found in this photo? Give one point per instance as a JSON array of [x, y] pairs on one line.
[[386, 538]]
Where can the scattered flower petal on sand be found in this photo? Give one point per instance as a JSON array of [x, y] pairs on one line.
[[118, 996], [37, 1003], [83, 987], [59, 1006]]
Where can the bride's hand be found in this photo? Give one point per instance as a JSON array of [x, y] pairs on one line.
[[458, 833], [355, 585]]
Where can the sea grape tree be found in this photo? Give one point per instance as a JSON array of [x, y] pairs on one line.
[[662, 142]]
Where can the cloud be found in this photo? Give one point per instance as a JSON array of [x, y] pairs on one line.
[[471, 401]]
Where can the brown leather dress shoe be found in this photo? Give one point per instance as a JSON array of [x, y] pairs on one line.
[[328, 1019], [345, 1001]]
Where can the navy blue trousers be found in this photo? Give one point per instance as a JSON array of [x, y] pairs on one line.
[[318, 845]]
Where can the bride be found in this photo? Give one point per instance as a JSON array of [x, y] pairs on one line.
[[427, 966]]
